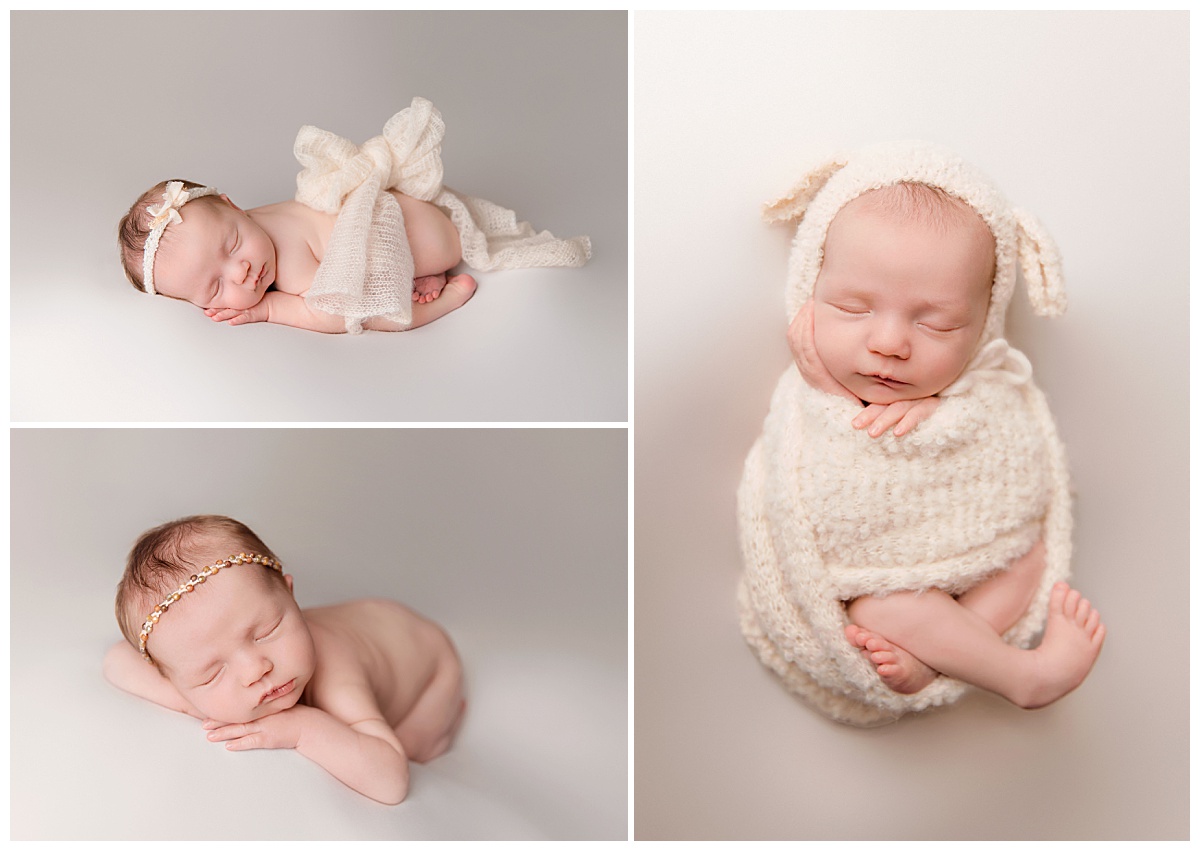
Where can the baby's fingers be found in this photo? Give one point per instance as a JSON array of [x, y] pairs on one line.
[[888, 417], [222, 314], [877, 419], [916, 414], [228, 732], [868, 416]]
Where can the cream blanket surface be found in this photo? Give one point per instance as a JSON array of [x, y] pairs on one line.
[[828, 514], [367, 270]]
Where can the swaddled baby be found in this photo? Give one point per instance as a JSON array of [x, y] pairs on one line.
[[937, 548], [368, 242]]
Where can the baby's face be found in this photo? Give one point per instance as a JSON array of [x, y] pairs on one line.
[[899, 303], [237, 647], [216, 257]]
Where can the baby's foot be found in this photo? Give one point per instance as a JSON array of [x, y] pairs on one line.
[[900, 670], [1068, 650], [428, 287], [455, 294]]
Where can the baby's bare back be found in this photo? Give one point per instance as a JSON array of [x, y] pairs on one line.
[[397, 652]]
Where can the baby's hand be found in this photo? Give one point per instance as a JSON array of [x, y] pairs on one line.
[[905, 416], [258, 313], [804, 352], [281, 730]]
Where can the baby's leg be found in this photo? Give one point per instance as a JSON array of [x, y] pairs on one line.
[[958, 642], [430, 726], [455, 294], [434, 243], [1001, 600], [1004, 598]]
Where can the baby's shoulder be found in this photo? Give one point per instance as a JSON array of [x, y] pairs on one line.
[[360, 622], [291, 221]]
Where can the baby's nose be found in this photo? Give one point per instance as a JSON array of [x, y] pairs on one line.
[[257, 669], [889, 339]]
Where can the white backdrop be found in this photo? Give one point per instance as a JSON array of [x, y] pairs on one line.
[[1081, 118], [104, 105]]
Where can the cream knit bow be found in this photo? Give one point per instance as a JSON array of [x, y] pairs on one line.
[[407, 157]]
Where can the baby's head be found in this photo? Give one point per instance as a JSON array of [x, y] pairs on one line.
[[933, 241], [208, 604], [903, 292], [187, 241]]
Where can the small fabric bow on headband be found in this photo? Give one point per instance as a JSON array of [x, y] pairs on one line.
[[168, 212]]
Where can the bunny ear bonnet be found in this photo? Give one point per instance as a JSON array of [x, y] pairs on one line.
[[831, 184]]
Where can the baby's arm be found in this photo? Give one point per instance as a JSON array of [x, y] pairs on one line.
[[904, 416], [281, 309], [125, 668], [363, 753]]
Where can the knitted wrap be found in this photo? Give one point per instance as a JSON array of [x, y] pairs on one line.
[[827, 513], [367, 270]]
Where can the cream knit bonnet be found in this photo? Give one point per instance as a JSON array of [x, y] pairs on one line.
[[832, 183]]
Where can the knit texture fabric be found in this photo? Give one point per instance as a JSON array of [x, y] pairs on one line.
[[367, 270], [827, 514]]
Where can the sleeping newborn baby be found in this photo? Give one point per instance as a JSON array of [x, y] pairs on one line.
[[905, 515], [257, 265], [212, 629], [368, 242]]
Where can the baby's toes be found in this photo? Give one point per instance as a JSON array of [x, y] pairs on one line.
[[1071, 604], [856, 635], [1057, 596], [883, 657], [876, 643]]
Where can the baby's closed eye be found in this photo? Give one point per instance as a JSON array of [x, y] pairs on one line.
[[272, 630]]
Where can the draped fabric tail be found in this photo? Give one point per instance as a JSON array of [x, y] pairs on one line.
[[492, 238]]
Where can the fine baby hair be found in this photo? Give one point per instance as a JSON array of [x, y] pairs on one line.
[[828, 514], [167, 559]]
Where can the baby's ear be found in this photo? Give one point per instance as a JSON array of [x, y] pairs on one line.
[[1041, 264], [791, 206], [229, 201], [287, 577]]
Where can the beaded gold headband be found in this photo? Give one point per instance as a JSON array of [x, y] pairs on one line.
[[161, 216], [190, 585]]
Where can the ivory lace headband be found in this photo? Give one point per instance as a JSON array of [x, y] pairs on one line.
[[190, 585], [164, 214]]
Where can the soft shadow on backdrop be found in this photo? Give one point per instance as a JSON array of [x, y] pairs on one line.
[[513, 540], [1081, 118], [104, 105]]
